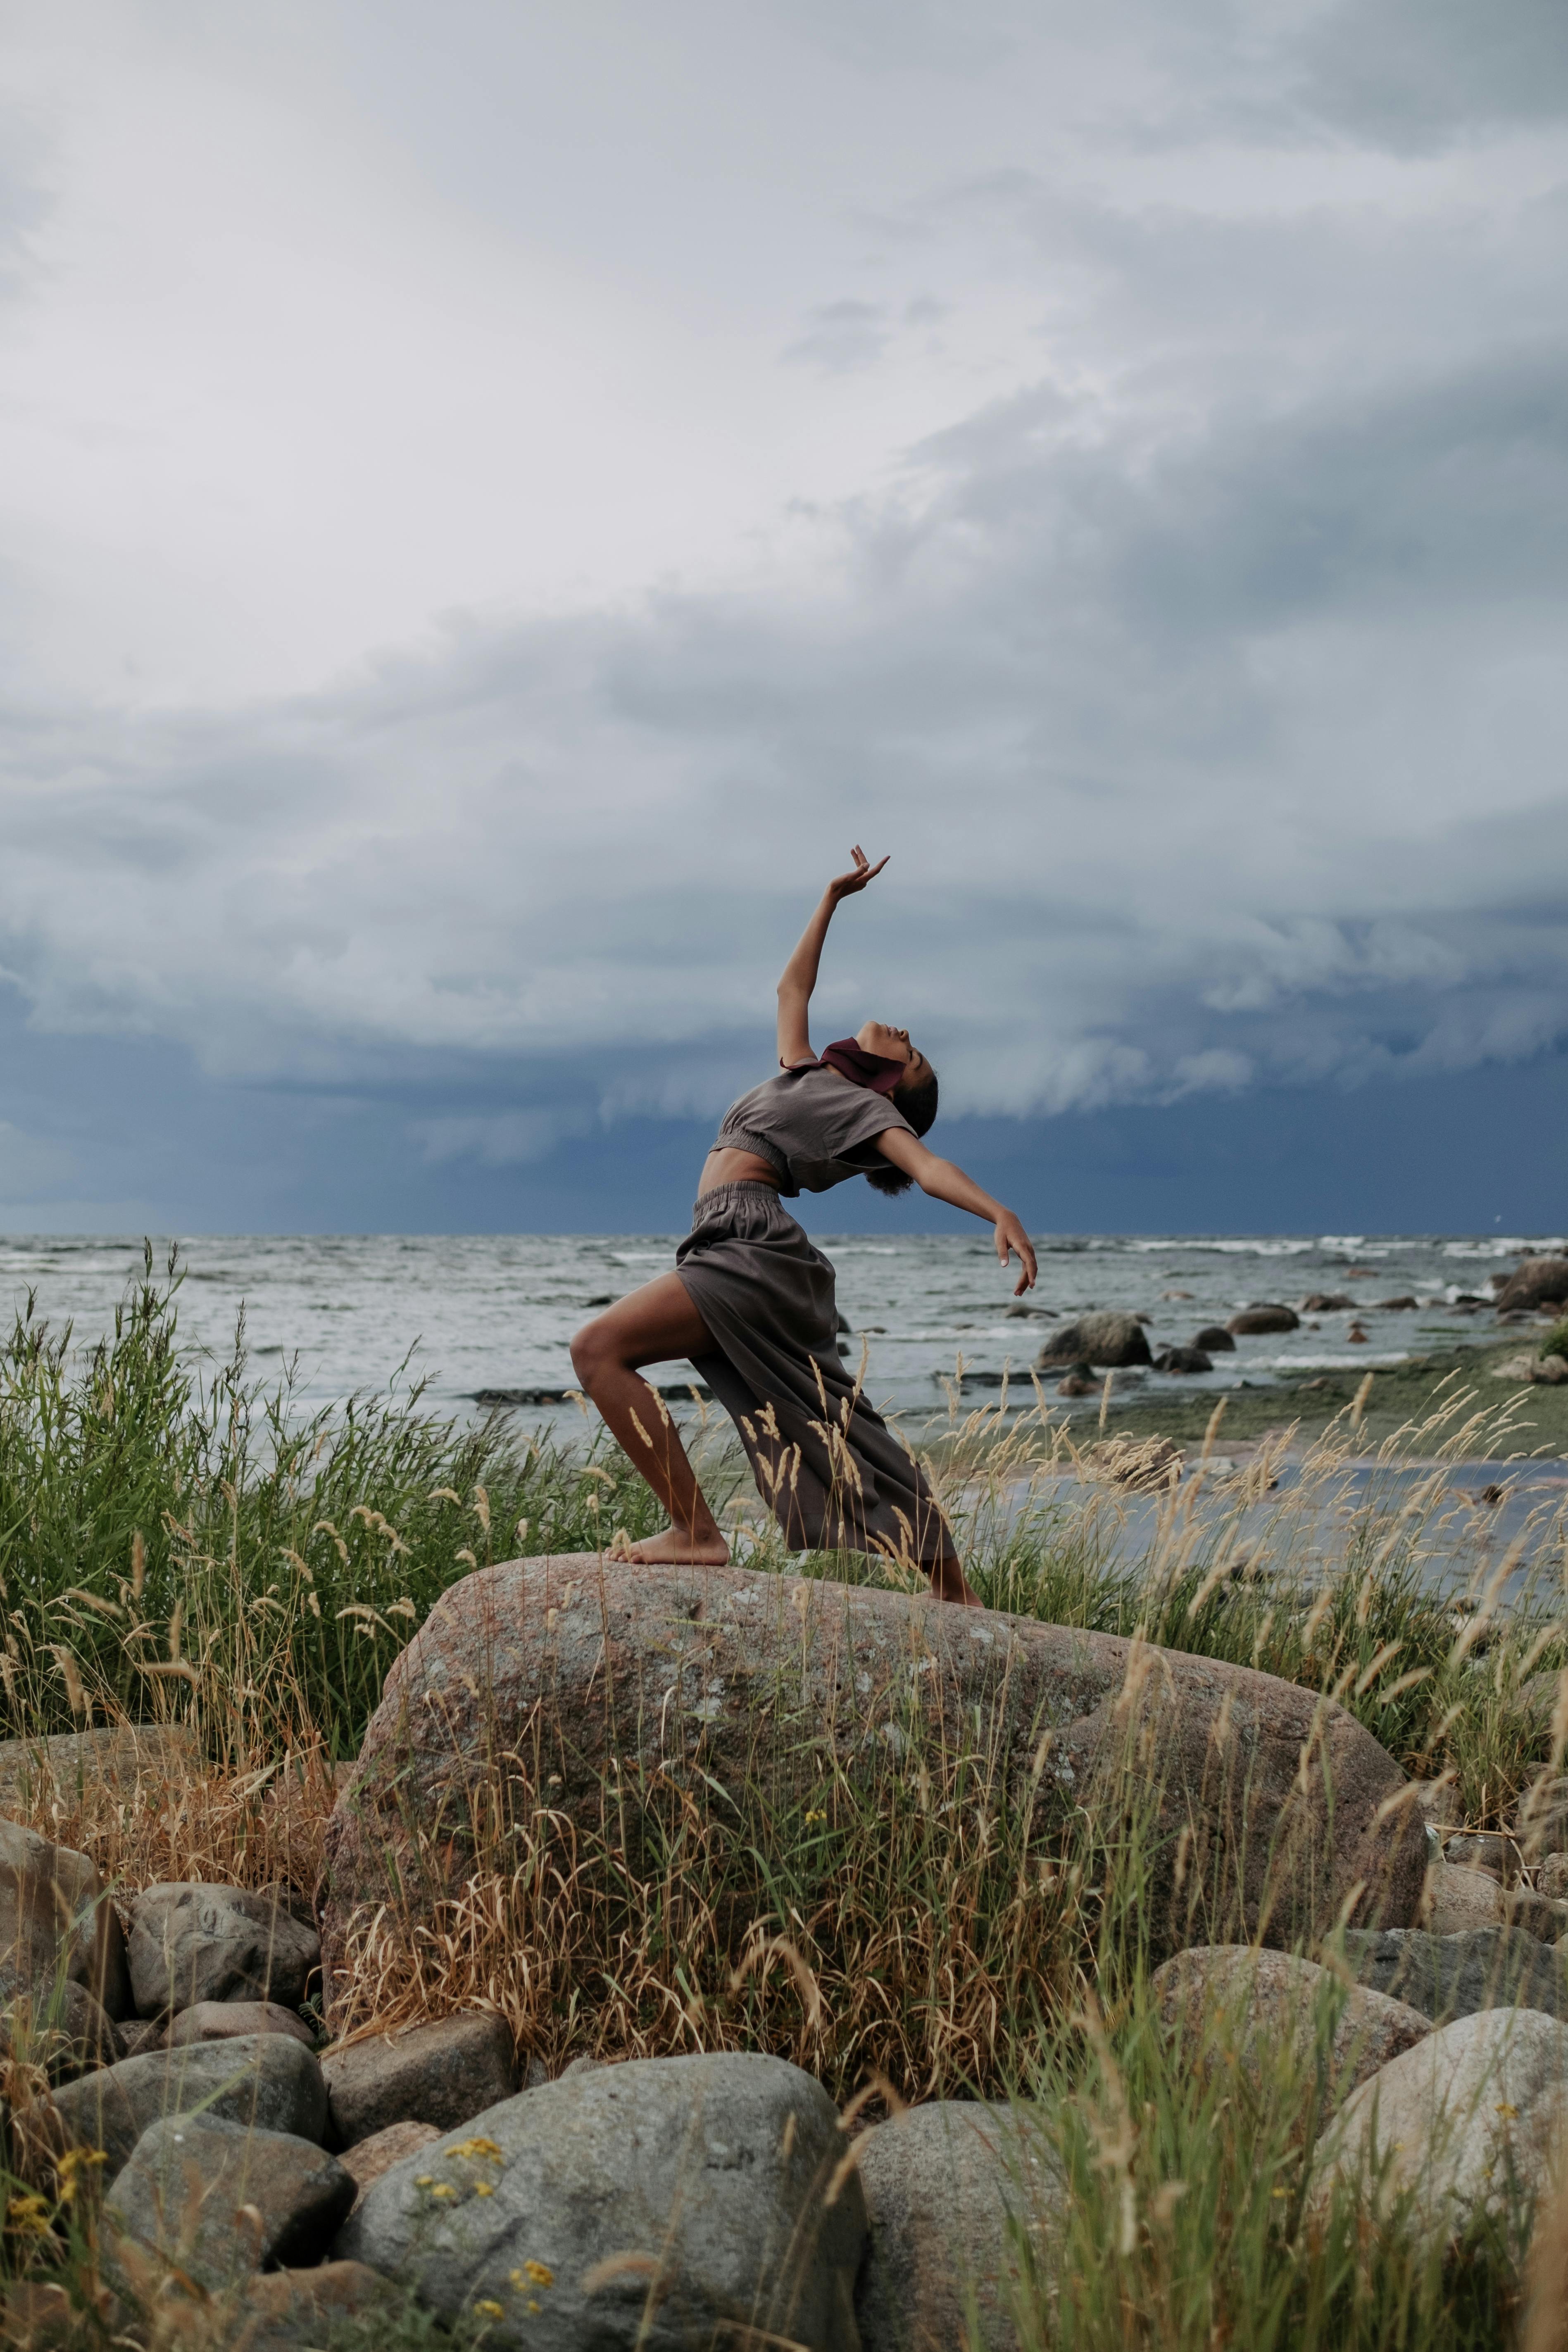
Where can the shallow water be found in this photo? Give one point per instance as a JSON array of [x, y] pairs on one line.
[[477, 1312], [1495, 1524]]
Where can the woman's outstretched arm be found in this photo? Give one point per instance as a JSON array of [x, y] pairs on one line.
[[944, 1180], [799, 974]]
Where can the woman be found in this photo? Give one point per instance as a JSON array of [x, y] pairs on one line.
[[751, 1303]]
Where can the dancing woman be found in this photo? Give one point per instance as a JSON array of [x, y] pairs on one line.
[[751, 1303]]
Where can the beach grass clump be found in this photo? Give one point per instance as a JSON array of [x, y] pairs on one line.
[[175, 1535], [1556, 1342], [1187, 2216]]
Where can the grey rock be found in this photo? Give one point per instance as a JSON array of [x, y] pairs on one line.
[[139, 2034], [230, 2020], [955, 2194], [658, 2202], [193, 1943], [56, 1923], [647, 1672], [1543, 1819], [1458, 2123], [1535, 1282], [1184, 1359], [1254, 1321], [1106, 1340], [266, 2079], [1455, 1899], [1447, 1977], [1486, 1850], [63, 2030], [297, 2311], [1334, 1302], [218, 2200], [1246, 2004], [440, 2073], [1537, 1913], [121, 1762], [369, 2158], [1214, 1339], [1555, 1877]]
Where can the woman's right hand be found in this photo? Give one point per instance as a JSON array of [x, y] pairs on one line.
[[1012, 1241], [844, 886]]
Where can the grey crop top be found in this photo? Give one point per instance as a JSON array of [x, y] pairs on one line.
[[814, 1128]]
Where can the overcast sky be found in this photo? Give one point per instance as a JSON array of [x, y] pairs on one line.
[[497, 498]]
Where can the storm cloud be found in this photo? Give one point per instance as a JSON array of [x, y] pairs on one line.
[[1136, 495]]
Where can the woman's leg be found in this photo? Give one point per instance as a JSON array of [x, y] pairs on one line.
[[948, 1583], [655, 1324]]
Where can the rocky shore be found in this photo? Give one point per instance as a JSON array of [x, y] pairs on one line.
[[187, 2058]]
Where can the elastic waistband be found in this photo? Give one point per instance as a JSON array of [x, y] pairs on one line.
[[750, 1187]]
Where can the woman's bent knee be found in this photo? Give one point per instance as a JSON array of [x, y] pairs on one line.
[[590, 1355]]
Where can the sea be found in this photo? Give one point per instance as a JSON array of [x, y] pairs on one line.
[[481, 1317]]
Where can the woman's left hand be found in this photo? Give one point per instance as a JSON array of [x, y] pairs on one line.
[[1012, 1241]]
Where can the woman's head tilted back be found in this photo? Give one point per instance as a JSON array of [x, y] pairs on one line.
[[915, 1096]]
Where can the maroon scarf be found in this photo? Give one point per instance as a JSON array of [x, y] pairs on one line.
[[873, 1071]]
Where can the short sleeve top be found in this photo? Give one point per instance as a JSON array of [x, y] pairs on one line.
[[814, 1127]]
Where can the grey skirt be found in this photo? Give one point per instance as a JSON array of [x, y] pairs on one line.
[[829, 1468]]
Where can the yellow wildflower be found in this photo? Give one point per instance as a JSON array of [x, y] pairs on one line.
[[488, 2310]]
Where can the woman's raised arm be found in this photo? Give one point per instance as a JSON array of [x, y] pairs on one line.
[[944, 1180], [799, 977]]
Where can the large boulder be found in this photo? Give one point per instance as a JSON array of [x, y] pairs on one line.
[[710, 2191], [1454, 1975], [1534, 1282], [440, 2073], [193, 1943], [57, 1924], [269, 2082], [1254, 1322], [218, 2200], [608, 1691], [957, 2196], [1109, 1341], [1215, 1341], [1461, 2122], [1236, 2005]]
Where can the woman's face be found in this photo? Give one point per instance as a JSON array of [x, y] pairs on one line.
[[894, 1045]]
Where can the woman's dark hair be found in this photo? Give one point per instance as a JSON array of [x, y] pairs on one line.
[[919, 1107]]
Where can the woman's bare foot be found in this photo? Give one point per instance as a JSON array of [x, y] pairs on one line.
[[948, 1583], [678, 1547]]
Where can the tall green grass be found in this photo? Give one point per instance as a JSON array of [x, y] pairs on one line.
[[172, 1529]]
